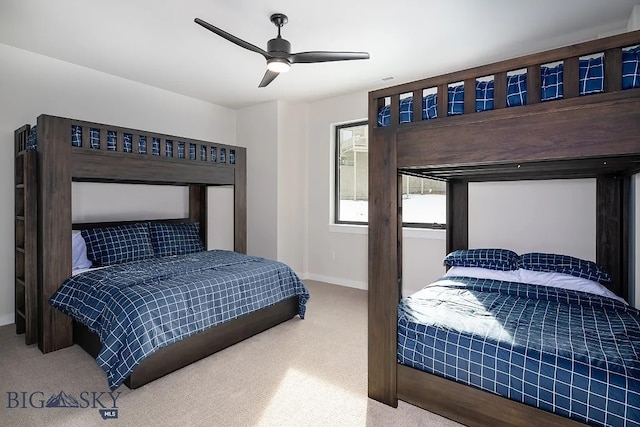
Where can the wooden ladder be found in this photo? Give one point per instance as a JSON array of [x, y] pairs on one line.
[[26, 237]]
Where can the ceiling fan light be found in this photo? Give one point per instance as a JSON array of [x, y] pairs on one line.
[[278, 65]]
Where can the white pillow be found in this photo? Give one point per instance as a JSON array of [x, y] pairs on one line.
[[484, 273], [566, 281], [558, 280], [79, 252]]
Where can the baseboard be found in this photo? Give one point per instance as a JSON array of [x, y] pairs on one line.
[[336, 281], [7, 319]]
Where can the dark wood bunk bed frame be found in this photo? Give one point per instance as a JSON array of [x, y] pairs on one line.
[[43, 230], [593, 136]]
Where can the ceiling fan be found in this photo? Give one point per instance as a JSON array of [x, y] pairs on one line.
[[278, 54]]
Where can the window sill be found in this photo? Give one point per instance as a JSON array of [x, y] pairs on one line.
[[411, 233]]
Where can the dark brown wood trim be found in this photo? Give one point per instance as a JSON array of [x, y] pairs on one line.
[[198, 346], [500, 90], [26, 237], [54, 229], [383, 267], [468, 405], [457, 215], [533, 84], [399, 234], [417, 105], [571, 76], [111, 166], [198, 209], [470, 96], [240, 201], [553, 130], [612, 229], [443, 100], [613, 69], [394, 118], [31, 246]]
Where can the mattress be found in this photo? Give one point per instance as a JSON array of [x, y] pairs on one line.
[[591, 75], [138, 307], [568, 352]]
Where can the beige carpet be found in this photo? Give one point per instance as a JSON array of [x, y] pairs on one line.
[[310, 372]]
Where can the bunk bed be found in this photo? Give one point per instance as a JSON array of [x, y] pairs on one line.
[[573, 132], [58, 151]]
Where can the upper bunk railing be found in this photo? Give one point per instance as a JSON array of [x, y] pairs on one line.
[[609, 48], [101, 138], [107, 153], [93, 136]]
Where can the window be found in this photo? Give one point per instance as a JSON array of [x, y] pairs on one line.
[[423, 200]]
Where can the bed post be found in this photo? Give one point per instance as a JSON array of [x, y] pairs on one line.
[[612, 229], [198, 209], [457, 215], [383, 266], [240, 201], [54, 228]]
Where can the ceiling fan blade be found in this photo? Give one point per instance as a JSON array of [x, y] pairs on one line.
[[269, 76], [232, 38], [324, 56]]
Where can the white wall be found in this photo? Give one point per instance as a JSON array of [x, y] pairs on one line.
[[258, 131], [557, 216], [292, 184], [276, 140], [94, 202], [220, 232], [337, 253], [634, 19], [32, 84], [332, 256]]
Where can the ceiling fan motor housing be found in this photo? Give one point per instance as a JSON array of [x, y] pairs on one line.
[[278, 45]]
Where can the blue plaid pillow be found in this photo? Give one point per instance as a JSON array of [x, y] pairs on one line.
[[430, 106], [384, 116], [494, 259], [484, 95], [115, 245], [591, 75], [551, 82], [563, 264], [406, 110], [631, 67], [32, 139], [516, 90], [456, 100], [175, 239]]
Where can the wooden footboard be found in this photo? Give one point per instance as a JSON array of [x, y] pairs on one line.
[[196, 347], [469, 405]]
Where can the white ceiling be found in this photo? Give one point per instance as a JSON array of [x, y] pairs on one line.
[[157, 43]]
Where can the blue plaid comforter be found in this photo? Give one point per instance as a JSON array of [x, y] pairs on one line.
[[139, 307], [567, 352]]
